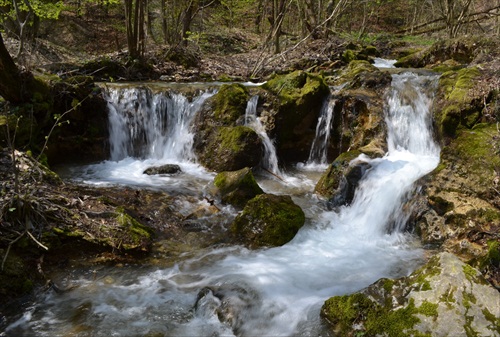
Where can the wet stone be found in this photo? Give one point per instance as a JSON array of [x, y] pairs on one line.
[[163, 169]]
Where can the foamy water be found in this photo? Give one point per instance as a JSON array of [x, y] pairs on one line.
[[266, 292]]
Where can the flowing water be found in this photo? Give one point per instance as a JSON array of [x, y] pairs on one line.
[[266, 292], [270, 160]]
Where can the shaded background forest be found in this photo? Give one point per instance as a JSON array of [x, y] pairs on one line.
[[85, 28]]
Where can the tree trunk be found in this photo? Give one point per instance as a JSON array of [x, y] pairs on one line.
[[311, 21], [10, 77], [135, 12], [187, 19]]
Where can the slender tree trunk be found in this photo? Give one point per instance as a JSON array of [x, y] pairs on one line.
[[164, 26], [187, 19], [135, 12], [311, 21], [10, 77]]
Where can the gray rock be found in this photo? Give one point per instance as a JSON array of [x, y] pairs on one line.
[[445, 297], [164, 169]]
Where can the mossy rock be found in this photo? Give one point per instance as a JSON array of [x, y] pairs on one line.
[[163, 169], [354, 69], [349, 55], [295, 103], [461, 50], [268, 220], [445, 297], [359, 53], [230, 103], [477, 152], [132, 234], [237, 187], [221, 143], [119, 230], [457, 107], [329, 182], [231, 149]]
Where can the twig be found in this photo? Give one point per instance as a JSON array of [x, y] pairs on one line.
[[56, 123], [8, 248], [38, 242], [274, 174]]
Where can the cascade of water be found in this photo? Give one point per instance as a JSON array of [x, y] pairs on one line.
[[272, 292], [151, 125], [319, 148], [270, 160]]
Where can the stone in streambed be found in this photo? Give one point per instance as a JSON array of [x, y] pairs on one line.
[[163, 169], [268, 220], [236, 187]]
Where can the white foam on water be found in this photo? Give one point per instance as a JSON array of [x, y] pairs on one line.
[[268, 292]]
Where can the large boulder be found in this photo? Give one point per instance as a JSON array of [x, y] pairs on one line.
[[457, 104], [292, 108], [460, 207], [221, 141], [445, 297], [236, 187], [268, 220]]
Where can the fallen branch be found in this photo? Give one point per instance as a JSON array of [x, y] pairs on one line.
[[274, 174]]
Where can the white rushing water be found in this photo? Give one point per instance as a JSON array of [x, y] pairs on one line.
[[270, 160], [267, 292], [319, 149], [383, 63]]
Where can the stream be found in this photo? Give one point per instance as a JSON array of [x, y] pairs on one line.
[[230, 290]]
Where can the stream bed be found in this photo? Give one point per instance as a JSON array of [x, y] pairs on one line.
[[229, 290]]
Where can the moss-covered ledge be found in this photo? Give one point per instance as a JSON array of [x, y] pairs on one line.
[[445, 297], [293, 103]]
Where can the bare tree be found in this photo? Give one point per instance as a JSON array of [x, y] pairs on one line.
[[134, 22], [454, 13]]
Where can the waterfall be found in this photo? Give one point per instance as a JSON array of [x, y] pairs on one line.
[[318, 155], [267, 292], [151, 125], [319, 149], [270, 160]]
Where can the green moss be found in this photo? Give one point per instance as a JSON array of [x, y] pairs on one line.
[[268, 220], [477, 153], [233, 138], [67, 232], [342, 312], [494, 252], [228, 149], [388, 285], [420, 278], [495, 321], [345, 312], [448, 298], [355, 68], [450, 120], [135, 234], [348, 55], [470, 273], [230, 103], [456, 84], [237, 187]]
